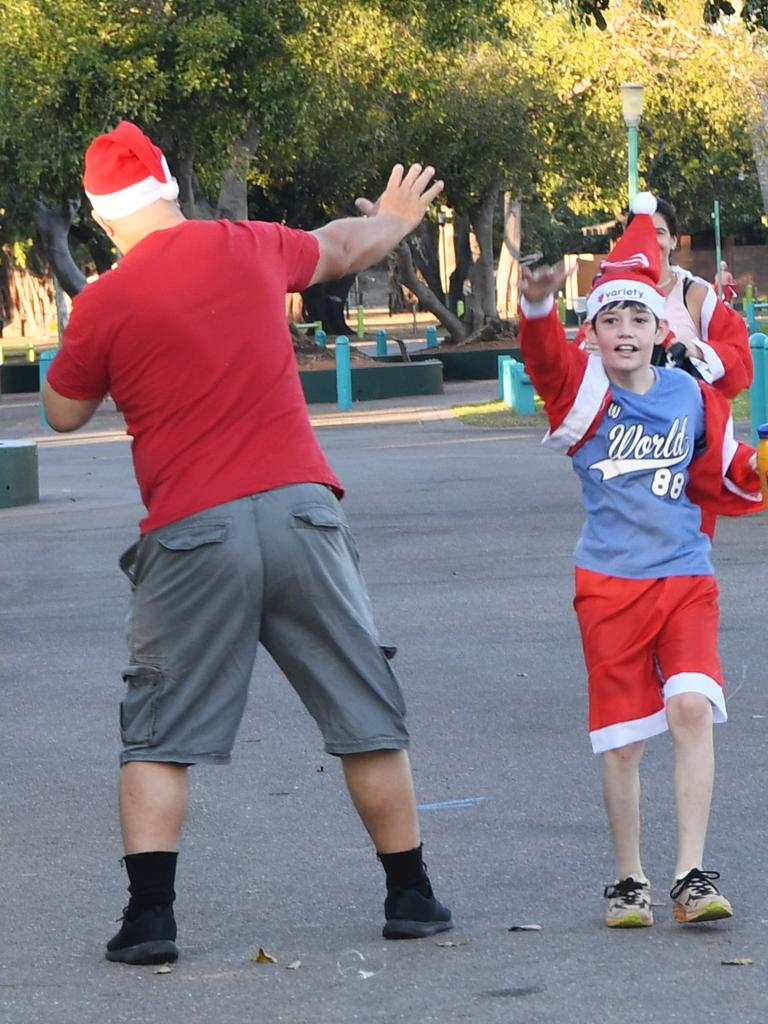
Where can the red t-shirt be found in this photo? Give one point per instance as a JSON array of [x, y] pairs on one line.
[[189, 336]]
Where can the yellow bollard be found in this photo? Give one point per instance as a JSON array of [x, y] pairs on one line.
[[2, 355], [360, 322], [31, 354]]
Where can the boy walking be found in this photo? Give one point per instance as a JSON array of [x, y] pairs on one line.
[[652, 448]]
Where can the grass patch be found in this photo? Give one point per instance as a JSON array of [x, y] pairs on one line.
[[495, 415], [740, 407]]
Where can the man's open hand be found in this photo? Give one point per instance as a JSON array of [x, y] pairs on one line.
[[407, 195]]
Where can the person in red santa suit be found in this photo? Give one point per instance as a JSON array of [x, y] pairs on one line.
[[652, 447], [244, 540], [706, 337]]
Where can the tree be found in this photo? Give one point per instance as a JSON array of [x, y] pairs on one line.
[[754, 13]]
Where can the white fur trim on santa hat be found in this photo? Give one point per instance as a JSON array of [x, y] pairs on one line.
[[625, 291], [124, 202], [644, 202]]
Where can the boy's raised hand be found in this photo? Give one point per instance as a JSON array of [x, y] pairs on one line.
[[544, 281]]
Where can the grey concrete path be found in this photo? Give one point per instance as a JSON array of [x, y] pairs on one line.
[[466, 539]]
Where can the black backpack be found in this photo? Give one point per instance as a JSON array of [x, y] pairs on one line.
[[676, 354]]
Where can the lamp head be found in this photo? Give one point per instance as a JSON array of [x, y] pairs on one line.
[[632, 103]]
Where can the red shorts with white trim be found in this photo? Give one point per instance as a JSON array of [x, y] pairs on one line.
[[644, 642]]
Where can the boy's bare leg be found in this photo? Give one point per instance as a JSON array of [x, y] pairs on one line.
[[153, 805], [690, 722], [381, 788], [621, 794]]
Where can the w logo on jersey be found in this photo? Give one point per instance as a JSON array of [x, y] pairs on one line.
[[631, 450]]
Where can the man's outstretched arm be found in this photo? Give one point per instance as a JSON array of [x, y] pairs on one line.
[[352, 244]]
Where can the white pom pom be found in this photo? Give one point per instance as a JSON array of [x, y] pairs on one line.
[[169, 189], [644, 202]]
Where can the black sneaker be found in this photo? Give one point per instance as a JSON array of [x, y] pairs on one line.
[[146, 937], [413, 914]]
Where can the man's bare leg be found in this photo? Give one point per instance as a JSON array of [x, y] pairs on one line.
[[381, 787], [153, 805]]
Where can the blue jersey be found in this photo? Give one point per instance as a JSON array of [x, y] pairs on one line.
[[634, 473]]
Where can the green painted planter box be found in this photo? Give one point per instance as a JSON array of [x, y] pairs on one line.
[[19, 378], [375, 382], [463, 364]]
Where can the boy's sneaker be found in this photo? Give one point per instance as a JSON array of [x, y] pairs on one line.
[[629, 903], [146, 937], [696, 898], [414, 914]]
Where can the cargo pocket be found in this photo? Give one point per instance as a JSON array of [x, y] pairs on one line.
[[318, 517], [195, 535], [127, 562], [140, 705]]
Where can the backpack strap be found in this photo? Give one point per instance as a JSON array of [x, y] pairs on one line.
[[687, 282]]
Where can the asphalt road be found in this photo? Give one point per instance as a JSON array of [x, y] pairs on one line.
[[466, 538]]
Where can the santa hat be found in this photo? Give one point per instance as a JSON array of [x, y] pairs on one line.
[[631, 272], [125, 171]]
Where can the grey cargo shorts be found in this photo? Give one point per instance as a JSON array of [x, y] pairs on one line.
[[280, 568]]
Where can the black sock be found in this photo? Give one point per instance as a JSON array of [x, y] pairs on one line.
[[151, 877], [405, 870]]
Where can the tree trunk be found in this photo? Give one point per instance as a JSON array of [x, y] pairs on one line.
[[463, 259], [52, 229], [426, 257], [481, 274], [508, 273], [233, 194], [192, 199], [102, 253], [760, 149], [325, 302], [425, 295]]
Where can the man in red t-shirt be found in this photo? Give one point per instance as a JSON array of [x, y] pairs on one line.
[[244, 540]]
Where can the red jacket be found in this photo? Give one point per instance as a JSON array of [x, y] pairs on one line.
[[724, 332], [576, 392]]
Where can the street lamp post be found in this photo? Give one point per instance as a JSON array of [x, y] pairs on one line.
[[632, 109]]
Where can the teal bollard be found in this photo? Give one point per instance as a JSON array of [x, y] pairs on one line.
[[343, 374], [507, 372], [501, 362], [431, 336], [522, 391], [381, 342], [321, 337], [758, 392], [45, 360], [750, 317]]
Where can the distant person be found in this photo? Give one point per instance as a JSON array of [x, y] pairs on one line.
[[726, 282], [244, 539], [651, 446]]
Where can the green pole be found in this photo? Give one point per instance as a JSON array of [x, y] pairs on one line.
[[632, 163], [718, 252]]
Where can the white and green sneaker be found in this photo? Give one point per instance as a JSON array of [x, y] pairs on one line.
[[629, 903], [695, 898]]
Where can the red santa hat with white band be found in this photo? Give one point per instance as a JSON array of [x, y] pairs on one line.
[[125, 171], [631, 271]]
